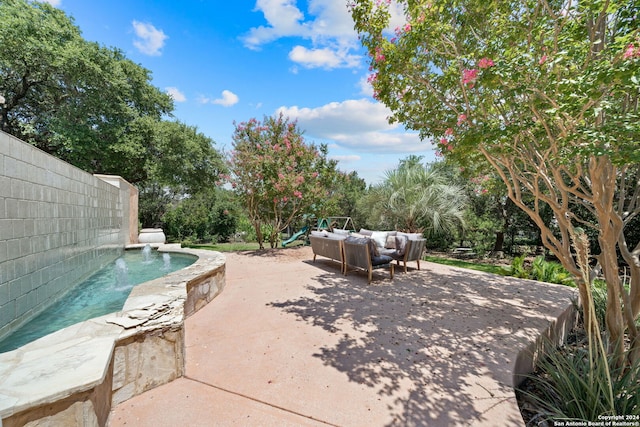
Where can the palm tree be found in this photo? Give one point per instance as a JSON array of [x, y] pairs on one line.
[[420, 198]]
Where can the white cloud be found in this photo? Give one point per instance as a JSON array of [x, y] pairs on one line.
[[332, 20], [175, 93], [365, 87], [283, 18], [314, 57], [357, 125], [328, 28], [350, 158], [322, 58], [397, 16], [228, 99], [355, 115], [150, 39]]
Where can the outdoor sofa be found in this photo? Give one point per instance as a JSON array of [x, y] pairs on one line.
[[390, 245], [402, 247], [328, 247], [361, 253]]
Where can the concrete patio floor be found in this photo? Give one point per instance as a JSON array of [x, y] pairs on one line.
[[290, 342]]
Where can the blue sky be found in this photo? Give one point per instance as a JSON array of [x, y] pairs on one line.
[[233, 60]]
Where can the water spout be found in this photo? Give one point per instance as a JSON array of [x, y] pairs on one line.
[[166, 258], [122, 274], [146, 253]]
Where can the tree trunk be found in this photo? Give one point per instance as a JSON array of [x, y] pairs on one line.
[[614, 318], [259, 237], [499, 243], [604, 176]]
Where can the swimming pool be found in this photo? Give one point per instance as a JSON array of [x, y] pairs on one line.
[[104, 292]]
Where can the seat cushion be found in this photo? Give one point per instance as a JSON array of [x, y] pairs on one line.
[[365, 232], [380, 260], [357, 240], [412, 236], [388, 252]]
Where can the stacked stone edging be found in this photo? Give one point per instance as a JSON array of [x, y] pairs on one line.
[[74, 376]]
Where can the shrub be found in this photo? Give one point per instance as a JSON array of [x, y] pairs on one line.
[[579, 386], [550, 272], [540, 270], [204, 217], [517, 268]]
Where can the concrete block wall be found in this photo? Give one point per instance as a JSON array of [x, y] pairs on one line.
[[58, 225]]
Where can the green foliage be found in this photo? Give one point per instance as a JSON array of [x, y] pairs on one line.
[[207, 216], [153, 202], [278, 176], [244, 228], [92, 107], [539, 269], [70, 97], [550, 272], [417, 198], [348, 190], [518, 268], [577, 387], [544, 93], [179, 162], [181, 158], [481, 231]]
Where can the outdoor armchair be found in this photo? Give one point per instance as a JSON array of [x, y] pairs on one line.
[[413, 251]]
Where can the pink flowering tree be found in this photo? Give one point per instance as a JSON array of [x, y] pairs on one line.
[[543, 92], [277, 174]]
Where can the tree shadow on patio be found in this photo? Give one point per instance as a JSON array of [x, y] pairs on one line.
[[438, 345]]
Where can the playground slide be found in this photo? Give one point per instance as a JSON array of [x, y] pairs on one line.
[[295, 236]]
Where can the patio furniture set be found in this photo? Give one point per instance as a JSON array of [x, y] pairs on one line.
[[368, 249]]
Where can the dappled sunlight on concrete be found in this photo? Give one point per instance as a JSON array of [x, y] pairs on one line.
[[435, 347]]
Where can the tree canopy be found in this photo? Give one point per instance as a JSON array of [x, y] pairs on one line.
[[91, 106], [70, 97], [543, 91], [418, 198], [278, 175]]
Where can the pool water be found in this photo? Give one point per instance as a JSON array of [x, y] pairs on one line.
[[103, 293]]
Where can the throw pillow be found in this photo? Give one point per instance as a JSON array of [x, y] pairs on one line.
[[391, 241], [380, 237], [401, 244]]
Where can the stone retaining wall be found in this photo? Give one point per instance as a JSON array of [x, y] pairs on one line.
[[74, 377]]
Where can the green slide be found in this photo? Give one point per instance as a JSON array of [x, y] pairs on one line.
[[295, 236]]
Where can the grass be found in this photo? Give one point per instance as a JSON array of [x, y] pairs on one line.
[[487, 268], [224, 247], [252, 246], [237, 246]]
